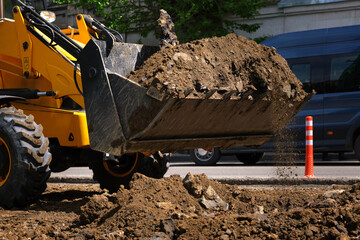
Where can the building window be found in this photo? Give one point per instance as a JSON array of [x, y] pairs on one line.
[[292, 3]]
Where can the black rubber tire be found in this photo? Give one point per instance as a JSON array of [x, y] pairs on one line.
[[357, 148], [25, 159], [209, 158], [62, 158], [110, 179], [249, 158]]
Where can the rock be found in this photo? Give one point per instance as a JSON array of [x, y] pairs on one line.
[[168, 226], [287, 90], [332, 193], [260, 209], [181, 55], [165, 205], [192, 186], [215, 204], [210, 193], [208, 204], [167, 30], [239, 86]]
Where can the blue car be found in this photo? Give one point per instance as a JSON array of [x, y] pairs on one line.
[[327, 60]]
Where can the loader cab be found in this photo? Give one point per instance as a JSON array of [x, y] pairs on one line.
[[6, 7]]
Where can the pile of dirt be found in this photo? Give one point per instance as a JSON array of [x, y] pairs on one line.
[[229, 66], [190, 208]]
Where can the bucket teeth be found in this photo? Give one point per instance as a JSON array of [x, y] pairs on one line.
[[247, 94], [228, 94], [210, 93], [188, 91]]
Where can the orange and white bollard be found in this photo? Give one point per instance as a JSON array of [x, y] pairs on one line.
[[309, 158]]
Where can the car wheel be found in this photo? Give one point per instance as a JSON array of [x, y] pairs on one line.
[[249, 158], [204, 157], [116, 170]]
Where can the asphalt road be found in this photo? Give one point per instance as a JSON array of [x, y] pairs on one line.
[[230, 167]]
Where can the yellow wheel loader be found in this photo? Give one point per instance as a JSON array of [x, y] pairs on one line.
[[69, 86]]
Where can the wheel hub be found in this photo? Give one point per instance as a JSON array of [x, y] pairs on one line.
[[203, 154], [123, 165]]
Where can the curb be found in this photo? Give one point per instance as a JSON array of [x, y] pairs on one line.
[[71, 179], [289, 181], [233, 181]]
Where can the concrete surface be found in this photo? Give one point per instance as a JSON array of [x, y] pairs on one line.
[[240, 175]]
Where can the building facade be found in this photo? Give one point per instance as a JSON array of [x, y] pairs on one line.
[[281, 17], [299, 15]]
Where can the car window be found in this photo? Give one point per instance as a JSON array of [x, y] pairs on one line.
[[302, 72], [345, 73]]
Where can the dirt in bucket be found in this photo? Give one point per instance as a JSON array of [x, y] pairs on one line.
[[218, 66]]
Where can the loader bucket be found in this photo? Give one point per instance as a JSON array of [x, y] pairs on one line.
[[124, 117]]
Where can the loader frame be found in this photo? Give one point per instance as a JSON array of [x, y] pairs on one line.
[[62, 122]]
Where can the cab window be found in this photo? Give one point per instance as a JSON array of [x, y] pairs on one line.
[[8, 5]]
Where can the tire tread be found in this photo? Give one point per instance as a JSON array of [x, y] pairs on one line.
[[31, 157]]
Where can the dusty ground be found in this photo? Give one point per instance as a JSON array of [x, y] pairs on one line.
[[194, 208]]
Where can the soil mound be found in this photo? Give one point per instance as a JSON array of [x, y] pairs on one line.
[[198, 208], [217, 67], [190, 208]]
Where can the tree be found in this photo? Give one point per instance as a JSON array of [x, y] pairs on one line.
[[192, 19]]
